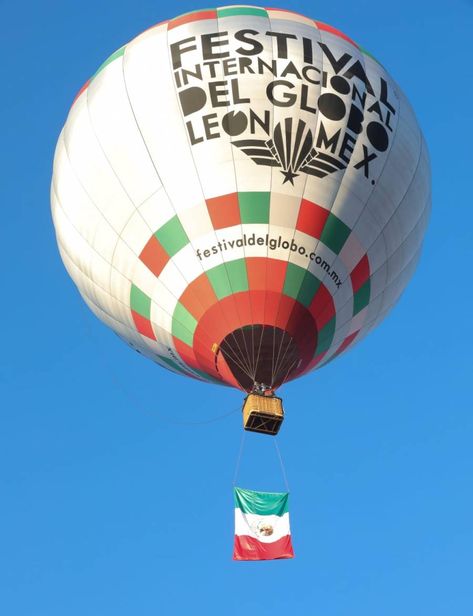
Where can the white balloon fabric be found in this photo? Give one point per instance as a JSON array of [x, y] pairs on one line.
[[241, 194]]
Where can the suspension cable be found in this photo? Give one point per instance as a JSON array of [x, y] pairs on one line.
[[240, 453], [286, 483]]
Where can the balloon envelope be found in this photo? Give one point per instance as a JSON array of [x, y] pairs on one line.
[[241, 194]]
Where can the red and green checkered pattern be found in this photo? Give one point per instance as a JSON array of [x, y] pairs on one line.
[[251, 290]]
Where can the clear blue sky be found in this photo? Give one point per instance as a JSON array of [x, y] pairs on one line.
[[107, 508]]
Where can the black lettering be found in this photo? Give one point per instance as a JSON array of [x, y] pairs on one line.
[[230, 67], [324, 141], [289, 99], [209, 41], [304, 99], [305, 74], [265, 123], [367, 158], [218, 89], [243, 37], [281, 42], [308, 52], [212, 64], [384, 96], [192, 137], [177, 49], [186, 73], [290, 70], [376, 108], [245, 66], [347, 143], [236, 93], [210, 122], [357, 70], [272, 68], [337, 65], [192, 99], [360, 96]]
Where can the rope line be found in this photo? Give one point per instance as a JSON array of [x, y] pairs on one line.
[[286, 483], [240, 453]]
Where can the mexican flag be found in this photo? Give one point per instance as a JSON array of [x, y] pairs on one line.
[[262, 529]]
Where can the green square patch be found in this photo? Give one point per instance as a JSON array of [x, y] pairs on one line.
[[183, 324], [308, 289], [172, 236], [219, 280], [254, 207], [293, 281], [362, 297], [228, 278], [325, 337], [335, 233], [140, 302]]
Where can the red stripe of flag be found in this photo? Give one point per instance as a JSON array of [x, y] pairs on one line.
[[249, 548], [190, 17], [84, 87], [321, 26]]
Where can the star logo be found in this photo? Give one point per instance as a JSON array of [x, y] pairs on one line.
[[291, 149], [289, 176]]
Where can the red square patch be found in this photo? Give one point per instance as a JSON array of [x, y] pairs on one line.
[[224, 211], [311, 219], [154, 256], [360, 273]]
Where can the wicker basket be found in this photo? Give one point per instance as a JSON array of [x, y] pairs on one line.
[[263, 414]]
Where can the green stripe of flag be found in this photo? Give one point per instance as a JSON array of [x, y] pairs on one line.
[[114, 56], [367, 53], [261, 503], [241, 10]]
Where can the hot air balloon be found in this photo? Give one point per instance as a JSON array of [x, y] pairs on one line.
[[241, 194]]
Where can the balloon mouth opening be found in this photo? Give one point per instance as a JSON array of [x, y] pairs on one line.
[[260, 354]]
